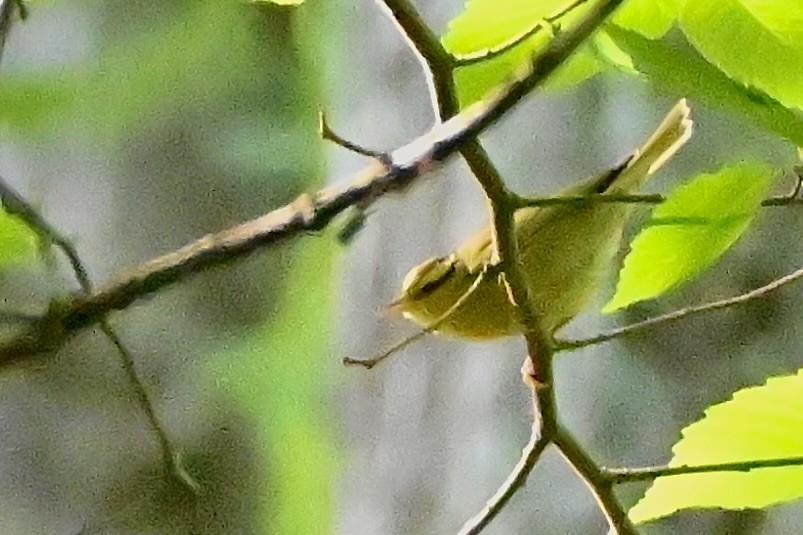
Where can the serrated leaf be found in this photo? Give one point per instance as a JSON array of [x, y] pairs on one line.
[[650, 18], [773, 61], [677, 67], [759, 423], [698, 222], [488, 25], [18, 243]]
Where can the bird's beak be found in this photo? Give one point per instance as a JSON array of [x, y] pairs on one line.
[[395, 307]]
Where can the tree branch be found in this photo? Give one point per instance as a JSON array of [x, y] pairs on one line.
[[544, 429], [617, 476], [596, 480], [15, 204], [436, 61], [515, 481], [791, 198], [307, 213], [682, 313], [6, 14], [644, 198], [547, 22], [503, 204]]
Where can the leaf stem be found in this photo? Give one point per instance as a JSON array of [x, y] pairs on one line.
[[617, 476]]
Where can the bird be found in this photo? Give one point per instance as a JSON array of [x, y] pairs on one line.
[[564, 249]]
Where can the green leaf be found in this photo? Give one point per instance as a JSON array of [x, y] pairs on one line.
[[279, 2], [759, 423], [166, 71], [676, 67], [692, 229], [759, 43], [650, 18], [488, 25], [279, 378], [609, 52], [18, 243], [33, 103]]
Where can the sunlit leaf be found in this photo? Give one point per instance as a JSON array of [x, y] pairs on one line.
[[18, 243], [692, 229], [611, 53], [677, 67], [756, 42], [488, 25], [759, 423], [650, 18]]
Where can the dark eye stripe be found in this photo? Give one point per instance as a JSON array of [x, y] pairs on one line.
[[431, 286]]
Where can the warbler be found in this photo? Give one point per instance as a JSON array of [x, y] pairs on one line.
[[564, 250]]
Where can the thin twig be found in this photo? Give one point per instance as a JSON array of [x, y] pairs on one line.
[[432, 327], [171, 458], [645, 198], [6, 14], [562, 345], [545, 425], [522, 201], [547, 23], [306, 213], [503, 205], [515, 481], [328, 134], [437, 63], [617, 476], [591, 198], [600, 486], [15, 204], [356, 220]]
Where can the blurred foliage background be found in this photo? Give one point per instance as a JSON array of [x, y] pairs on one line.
[[139, 126]]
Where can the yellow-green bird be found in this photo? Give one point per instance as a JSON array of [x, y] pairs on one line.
[[565, 250]]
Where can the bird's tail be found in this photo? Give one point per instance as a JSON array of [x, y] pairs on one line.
[[671, 134]]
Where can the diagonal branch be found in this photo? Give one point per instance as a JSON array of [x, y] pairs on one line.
[[682, 313], [432, 327], [547, 23], [617, 476], [517, 478], [437, 62], [503, 204], [6, 13], [596, 480], [307, 213], [14, 203]]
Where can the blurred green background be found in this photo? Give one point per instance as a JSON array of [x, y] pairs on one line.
[[137, 127]]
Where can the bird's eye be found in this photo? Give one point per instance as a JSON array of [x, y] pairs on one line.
[[427, 277]]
